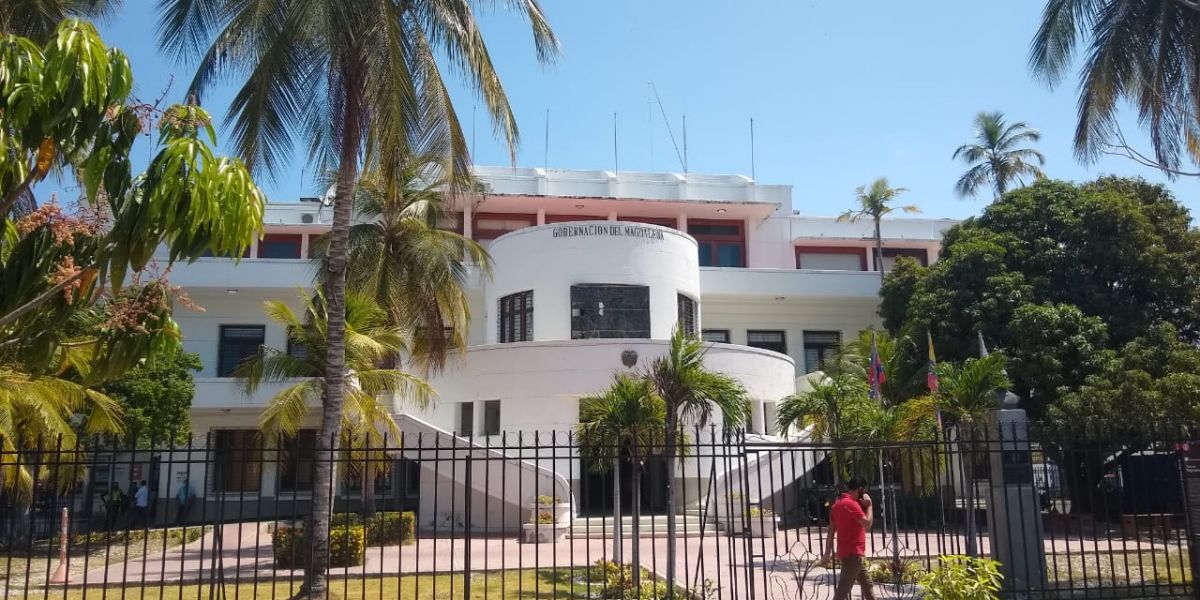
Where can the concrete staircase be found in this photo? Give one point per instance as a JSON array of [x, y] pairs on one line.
[[687, 524]]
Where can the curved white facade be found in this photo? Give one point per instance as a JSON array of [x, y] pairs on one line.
[[549, 259], [540, 383]]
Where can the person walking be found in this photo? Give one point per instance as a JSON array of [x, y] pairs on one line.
[[849, 520], [141, 505], [184, 497]]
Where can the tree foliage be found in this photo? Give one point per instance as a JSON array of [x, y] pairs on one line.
[[1054, 274], [996, 158], [156, 397]]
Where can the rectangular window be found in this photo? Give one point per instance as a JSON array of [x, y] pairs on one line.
[[516, 317], [383, 468], [767, 340], [451, 221], [489, 226], [570, 218], [237, 461], [721, 243], [665, 222], [831, 258], [686, 312], [466, 419], [238, 342], [297, 461], [317, 244], [491, 417], [820, 347], [296, 349], [891, 254], [604, 310], [719, 336], [280, 245]]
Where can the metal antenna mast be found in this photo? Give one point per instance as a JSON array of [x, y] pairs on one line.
[[682, 156]]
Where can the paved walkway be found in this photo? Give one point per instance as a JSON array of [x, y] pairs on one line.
[[783, 566]]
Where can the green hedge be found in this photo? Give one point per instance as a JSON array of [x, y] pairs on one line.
[[384, 529], [347, 546]]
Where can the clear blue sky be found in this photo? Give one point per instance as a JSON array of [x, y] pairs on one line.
[[841, 92]]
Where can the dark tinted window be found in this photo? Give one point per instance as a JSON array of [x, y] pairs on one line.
[[280, 246], [236, 460], [610, 311], [296, 469], [687, 314], [238, 342], [819, 348], [767, 340], [720, 336], [516, 317]]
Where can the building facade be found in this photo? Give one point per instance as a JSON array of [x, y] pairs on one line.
[[592, 272]]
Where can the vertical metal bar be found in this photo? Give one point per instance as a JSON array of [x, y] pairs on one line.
[[467, 526]]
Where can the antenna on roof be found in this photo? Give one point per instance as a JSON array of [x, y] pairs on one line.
[[473, 107], [650, 129], [681, 156], [546, 144], [752, 175], [616, 163]]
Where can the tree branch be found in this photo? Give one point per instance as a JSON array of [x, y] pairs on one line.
[[20, 311], [1123, 149]]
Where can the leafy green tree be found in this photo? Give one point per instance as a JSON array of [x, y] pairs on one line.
[[65, 106], [690, 392], [624, 422], [156, 397], [1141, 53], [995, 156], [897, 292], [874, 203], [414, 270], [356, 81], [369, 341], [1044, 267]]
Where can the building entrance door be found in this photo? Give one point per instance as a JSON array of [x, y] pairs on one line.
[[596, 489]]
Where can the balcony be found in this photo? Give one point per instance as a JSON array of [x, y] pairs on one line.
[[223, 392], [803, 283], [249, 273]]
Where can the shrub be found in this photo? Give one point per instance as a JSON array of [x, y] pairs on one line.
[[347, 546], [389, 528], [616, 580], [545, 518], [885, 571], [756, 512], [547, 500], [962, 578]]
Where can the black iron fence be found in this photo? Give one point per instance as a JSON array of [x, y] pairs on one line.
[[540, 515]]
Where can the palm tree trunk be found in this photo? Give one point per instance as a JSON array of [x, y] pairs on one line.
[[670, 442], [637, 525], [878, 249], [315, 582], [618, 550]]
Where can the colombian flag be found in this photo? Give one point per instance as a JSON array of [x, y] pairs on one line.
[[876, 375]]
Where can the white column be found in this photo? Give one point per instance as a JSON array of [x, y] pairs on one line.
[[541, 216], [612, 215], [304, 245], [681, 222]]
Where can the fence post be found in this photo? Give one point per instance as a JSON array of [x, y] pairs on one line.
[[1016, 539], [467, 528], [1191, 500]]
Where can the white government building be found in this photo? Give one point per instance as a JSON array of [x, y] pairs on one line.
[[588, 265]]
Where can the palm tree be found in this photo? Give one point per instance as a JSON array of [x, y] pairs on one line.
[[966, 395], [873, 203], [415, 271], [351, 79], [37, 19], [625, 420], [690, 392], [995, 156], [1143, 53], [366, 420]]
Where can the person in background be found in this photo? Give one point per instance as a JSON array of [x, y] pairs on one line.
[[849, 520], [184, 497], [141, 505], [114, 501]]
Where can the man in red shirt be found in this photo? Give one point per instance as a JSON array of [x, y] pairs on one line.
[[849, 519]]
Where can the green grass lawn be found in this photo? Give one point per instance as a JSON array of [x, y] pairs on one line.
[[90, 550], [500, 585]]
